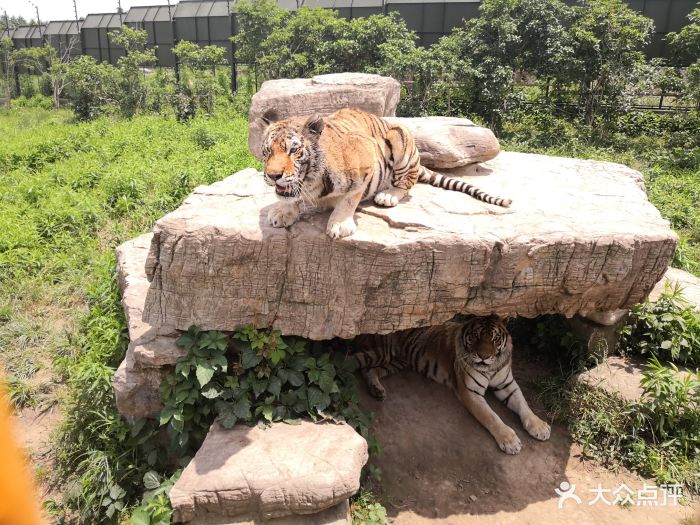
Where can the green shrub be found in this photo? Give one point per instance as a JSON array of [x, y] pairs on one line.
[[255, 376], [657, 435], [668, 329]]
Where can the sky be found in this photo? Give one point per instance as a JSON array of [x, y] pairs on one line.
[[63, 9]]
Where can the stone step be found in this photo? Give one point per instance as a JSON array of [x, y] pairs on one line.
[[282, 475], [580, 237]]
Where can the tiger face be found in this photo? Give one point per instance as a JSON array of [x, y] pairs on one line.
[[486, 342], [287, 150]]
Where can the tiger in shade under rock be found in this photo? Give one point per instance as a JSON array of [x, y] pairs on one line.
[[340, 160], [469, 356]]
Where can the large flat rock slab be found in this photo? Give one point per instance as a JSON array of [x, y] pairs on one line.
[[581, 236], [259, 473]]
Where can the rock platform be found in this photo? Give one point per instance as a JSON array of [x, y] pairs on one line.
[[281, 473], [580, 237]]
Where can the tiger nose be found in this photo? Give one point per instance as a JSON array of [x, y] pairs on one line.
[[273, 176]]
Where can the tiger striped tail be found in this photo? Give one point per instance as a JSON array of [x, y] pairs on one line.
[[440, 181]]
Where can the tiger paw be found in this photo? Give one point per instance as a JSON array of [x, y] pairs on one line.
[[377, 392], [509, 442], [537, 428], [338, 230], [283, 214], [384, 198]]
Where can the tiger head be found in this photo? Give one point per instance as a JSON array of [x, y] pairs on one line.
[[486, 342], [289, 148]]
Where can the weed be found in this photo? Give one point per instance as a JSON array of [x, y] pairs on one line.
[[657, 435], [668, 328], [365, 509]]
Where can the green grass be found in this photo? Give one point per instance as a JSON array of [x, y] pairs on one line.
[[72, 192]]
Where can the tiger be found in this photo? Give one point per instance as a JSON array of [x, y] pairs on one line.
[[469, 356], [337, 161]]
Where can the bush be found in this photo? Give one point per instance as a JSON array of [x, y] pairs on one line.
[[657, 435], [668, 329], [255, 376]]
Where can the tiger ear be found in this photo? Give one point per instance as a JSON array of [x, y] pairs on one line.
[[314, 124], [270, 116]]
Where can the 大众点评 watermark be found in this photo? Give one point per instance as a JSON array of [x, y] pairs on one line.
[[649, 495]]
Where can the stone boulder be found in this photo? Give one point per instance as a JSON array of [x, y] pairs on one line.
[[621, 375], [322, 94], [449, 142], [137, 381], [581, 236], [259, 473], [689, 284]]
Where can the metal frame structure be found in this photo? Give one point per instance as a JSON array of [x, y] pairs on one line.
[[157, 21], [94, 36], [213, 22], [64, 37]]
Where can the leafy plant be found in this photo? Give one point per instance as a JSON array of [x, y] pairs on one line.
[[670, 407], [668, 329], [634, 434], [365, 509], [255, 376], [155, 506]]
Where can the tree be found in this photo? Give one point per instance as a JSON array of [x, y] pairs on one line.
[[508, 37], [367, 43], [686, 43], [256, 20], [686, 47], [131, 79], [91, 86], [8, 63], [51, 65], [202, 62], [608, 39], [302, 46], [12, 21]]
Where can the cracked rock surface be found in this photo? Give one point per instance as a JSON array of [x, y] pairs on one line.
[[267, 473], [137, 380], [580, 237]]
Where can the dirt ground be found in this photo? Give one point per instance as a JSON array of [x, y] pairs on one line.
[[439, 466]]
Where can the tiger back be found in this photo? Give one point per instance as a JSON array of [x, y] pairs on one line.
[[469, 356]]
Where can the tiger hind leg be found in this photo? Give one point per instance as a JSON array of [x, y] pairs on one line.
[[374, 374], [404, 163], [390, 197]]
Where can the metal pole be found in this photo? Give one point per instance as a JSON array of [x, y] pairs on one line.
[[234, 68]]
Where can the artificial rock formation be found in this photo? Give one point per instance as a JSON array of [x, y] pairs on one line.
[[580, 237], [322, 94], [137, 381], [258, 474], [443, 142]]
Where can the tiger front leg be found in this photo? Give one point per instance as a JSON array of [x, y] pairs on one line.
[[342, 222], [506, 438], [513, 398], [283, 214]]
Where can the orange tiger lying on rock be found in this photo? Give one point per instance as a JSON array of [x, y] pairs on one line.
[[340, 160]]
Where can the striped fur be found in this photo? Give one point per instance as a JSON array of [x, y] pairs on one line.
[[469, 356], [337, 161]]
